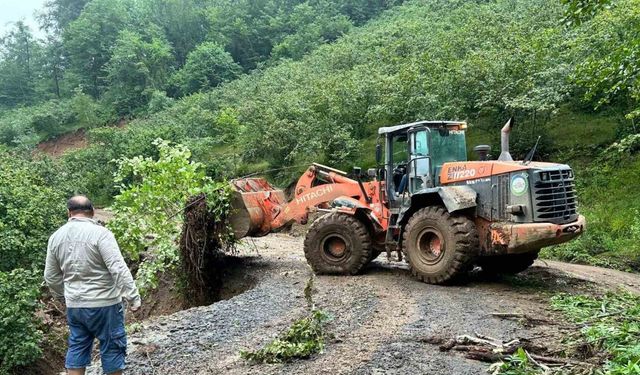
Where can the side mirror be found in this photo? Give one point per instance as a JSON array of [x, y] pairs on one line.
[[378, 154]]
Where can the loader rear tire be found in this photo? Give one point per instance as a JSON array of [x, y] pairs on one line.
[[507, 264], [337, 244], [440, 246]]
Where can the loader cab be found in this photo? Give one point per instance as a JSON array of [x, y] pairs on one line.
[[420, 149]]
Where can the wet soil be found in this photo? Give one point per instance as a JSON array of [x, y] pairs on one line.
[[382, 320], [67, 142]]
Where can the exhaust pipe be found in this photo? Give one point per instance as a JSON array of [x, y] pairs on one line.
[[504, 142]]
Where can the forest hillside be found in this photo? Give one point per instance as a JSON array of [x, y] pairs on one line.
[[268, 87]]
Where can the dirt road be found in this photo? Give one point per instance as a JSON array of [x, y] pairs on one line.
[[381, 319]]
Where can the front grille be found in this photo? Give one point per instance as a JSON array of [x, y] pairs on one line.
[[554, 196]]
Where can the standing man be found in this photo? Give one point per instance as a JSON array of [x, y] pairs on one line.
[[84, 264]]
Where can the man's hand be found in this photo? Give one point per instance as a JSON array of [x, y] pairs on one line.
[[135, 305]]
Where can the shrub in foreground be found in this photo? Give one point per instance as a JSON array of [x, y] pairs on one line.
[[19, 334]]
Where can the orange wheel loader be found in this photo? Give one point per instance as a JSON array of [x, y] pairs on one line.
[[427, 202]]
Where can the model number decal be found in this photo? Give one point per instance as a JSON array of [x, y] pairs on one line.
[[459, 172]]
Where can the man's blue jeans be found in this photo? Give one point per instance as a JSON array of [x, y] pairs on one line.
[[104, 323]]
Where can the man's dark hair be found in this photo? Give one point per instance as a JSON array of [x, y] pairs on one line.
[[80, 203]]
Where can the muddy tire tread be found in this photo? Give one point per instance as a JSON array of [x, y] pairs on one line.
[[358, 229], [466, 238]]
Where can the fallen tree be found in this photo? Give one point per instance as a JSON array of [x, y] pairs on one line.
[[205, 241]]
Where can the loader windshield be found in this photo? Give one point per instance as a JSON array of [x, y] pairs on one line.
[[447, 146]]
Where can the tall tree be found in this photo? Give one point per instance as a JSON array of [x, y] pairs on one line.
[[89, 39], [57, 14], [248, 28], [183, 21], [52, 67], [309, 27], [19, 51], [140, 65]]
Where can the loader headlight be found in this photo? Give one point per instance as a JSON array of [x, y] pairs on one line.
[[516, 209]]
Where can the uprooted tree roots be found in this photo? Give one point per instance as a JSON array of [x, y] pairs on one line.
[[204, 243], [488, 349]]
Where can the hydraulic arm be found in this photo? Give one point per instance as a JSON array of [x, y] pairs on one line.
[[261, 209]]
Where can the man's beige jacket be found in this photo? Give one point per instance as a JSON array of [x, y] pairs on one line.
[[84, 264]]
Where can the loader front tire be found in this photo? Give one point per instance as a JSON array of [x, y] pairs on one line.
[[337, 244], [440, 246]]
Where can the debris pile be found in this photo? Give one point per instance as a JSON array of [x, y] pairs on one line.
[[488, 349]]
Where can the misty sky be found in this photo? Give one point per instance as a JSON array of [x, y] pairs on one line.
[[15, 10]]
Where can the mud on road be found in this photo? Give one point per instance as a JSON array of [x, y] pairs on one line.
[[381, 320]]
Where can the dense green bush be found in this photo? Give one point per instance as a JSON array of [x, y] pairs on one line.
[[609, 46], [207, 66], [148, 208], [303, 339], [30, 210], [19, 334]]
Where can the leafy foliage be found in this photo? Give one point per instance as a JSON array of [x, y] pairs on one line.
[[89, 39], [149, 205], [59, 13], [207, 66], [19, 334], [25, 127], [250, 30], [610, 55], [139, 65], [304, 338], [579, 11], [18, 59], [610, 323], [515, 364], [30, 210], [122, 50]]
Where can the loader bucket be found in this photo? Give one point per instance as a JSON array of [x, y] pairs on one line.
[[255, 203]]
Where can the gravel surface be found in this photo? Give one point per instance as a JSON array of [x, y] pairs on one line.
[[380, 323]]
